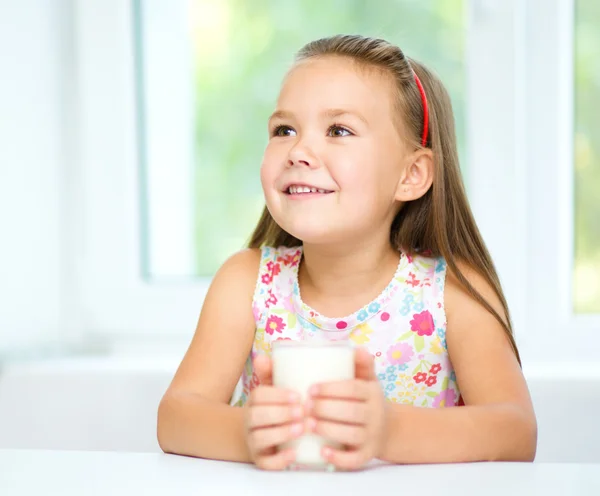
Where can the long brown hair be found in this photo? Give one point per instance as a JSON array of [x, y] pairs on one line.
[[441, 221]]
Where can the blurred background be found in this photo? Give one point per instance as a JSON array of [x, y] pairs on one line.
[[131, 135]]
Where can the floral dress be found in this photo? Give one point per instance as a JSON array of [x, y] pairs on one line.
[[404, 328]]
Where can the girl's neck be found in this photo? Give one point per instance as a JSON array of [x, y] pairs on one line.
[[338, 280]]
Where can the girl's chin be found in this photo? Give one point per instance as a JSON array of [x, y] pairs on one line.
[[318, 236]]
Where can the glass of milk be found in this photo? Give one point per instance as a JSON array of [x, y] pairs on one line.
[[297, 365]]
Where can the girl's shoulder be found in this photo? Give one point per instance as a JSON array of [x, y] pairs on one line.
[[239, 269], [460, 300]]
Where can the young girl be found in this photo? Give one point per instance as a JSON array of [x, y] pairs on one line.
[[367, 235]]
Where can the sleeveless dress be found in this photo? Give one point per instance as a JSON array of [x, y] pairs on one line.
[[404, 328]]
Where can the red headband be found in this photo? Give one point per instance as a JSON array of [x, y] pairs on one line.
[[425, 111]]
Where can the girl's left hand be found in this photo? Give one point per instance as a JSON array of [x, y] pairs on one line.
[[353, 413]]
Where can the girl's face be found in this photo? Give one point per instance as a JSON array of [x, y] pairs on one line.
[[332, 167]]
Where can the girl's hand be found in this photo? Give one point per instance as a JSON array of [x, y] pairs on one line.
[[273, 416], [352, 413]]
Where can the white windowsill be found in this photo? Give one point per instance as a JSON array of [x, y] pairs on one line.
[[157, 361]]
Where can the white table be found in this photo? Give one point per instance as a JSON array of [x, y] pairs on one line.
[[88, 473]]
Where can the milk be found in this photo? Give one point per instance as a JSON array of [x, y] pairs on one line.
[[297, 365]]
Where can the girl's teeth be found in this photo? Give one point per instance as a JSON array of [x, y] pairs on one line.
[[304, 189]]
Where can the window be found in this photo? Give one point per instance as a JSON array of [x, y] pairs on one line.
[[587, 158], [171, 129], [209, 73]]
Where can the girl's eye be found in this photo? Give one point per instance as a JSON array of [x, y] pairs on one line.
[[338, 131], [283, 131]]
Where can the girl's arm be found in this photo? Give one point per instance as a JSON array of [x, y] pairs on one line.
[[498, 422], [194, 416]]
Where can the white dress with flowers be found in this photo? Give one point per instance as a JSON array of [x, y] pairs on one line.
[[404, 328]]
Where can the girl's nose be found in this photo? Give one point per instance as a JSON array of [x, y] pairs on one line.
[[303, 157], [305, 162]]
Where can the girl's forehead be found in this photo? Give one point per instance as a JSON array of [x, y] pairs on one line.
[[336, 79]]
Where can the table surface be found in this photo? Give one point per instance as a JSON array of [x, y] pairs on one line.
[[70, 473]]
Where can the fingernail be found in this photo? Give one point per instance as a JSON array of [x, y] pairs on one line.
[[327, 452], [314, 390], [297, 412], [311, 424], [309, 405], [294, 397]]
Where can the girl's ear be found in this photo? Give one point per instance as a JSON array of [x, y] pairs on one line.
[[417, 176]]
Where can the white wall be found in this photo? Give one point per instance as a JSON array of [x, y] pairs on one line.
[[108, 404], [31, 156], [83, 404]]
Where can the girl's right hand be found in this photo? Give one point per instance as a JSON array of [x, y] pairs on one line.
[[273, 417]]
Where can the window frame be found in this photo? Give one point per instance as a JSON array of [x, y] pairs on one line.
[[120, 304], [550, 157]]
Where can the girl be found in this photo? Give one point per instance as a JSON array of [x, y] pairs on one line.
[[367, 235]]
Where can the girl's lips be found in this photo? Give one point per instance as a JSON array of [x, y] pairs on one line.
[[307, 196]]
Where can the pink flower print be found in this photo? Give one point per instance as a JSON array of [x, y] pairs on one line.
[[288, 303], [400, 353], [295, 258], [274, 324], [420, 377], [435, 368], [290, 259], [422, 323], [444, 399], [272, 300], [274, 269], [283, 339], [431, 380], [413, 281]]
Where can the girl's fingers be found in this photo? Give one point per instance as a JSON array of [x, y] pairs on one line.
[[355, 389], [271, 395], [272, 415], [263, 368], [352, 412], [269, 437], [345, 460], [346, 434], [278, 461], [364, 365]]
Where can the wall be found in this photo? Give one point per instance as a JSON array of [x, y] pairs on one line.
[[86, 404], [111, 404], [31, 156]]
